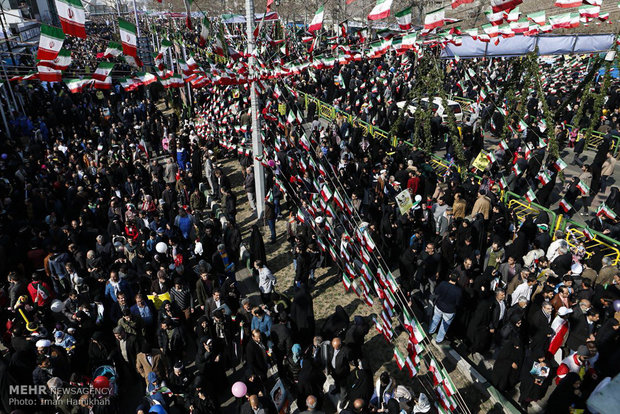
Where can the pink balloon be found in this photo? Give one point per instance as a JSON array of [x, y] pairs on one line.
[[239, 389]]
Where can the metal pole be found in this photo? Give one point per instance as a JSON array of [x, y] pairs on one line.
[[257, 145], [135, 14], [118, 8]]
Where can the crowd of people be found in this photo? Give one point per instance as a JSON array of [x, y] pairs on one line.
[[120, 276]]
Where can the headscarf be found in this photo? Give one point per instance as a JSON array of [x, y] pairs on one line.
[[423, 405], [296, 349]]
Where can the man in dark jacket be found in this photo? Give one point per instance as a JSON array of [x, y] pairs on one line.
[[256, 355], [539, 328], [171, 340], [338, 365], [448, 299], [582, 325]]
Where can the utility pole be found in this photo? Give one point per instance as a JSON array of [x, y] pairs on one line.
[[257, 145], [135, 14]]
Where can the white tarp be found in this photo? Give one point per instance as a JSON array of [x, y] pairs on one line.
[[521, 45]]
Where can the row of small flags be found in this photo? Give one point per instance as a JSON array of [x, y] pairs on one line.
[[357, 274]]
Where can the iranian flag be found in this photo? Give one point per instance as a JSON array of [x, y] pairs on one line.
[[346, 281], [491, 157], [587, 233], [62, 61], [146, 78], [204, 32], [494, 18], [520, 26], [583, 188], [491, 31], [409, 40], [537, 17], [400, 358], [191, 63], [434, 19], [457, 3], [501, 5], [317, 20], [411, 367], [530, 196], [588, 11], [290, 118], [503, 184], [47, 74], [76, 85], [103, 71], [565, 205], [567, 3], [564, 21], [544, 177], [113, 50], [165, 45], [559, 164], [513, 15], [128, 37], [130, 84], [50, 42], [403, 18], [72, 17], [606, 211], [522, 126], [506, 31], [106, 83], [382, 10]]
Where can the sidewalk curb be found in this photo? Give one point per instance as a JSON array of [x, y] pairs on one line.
[[479, 381]]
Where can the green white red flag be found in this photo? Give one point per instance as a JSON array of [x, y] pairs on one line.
[[381, 10], [565, 205], [129, 37], [104, 84], [77, 85], [317, 20], [113, 50], [603, 210], [50, 42], [403, 18], [62, 61], [47, 74], [72, 17], [434, 19], [103, 71], [457, 3]]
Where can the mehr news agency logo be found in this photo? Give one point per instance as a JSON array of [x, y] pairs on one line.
[[43, 395]]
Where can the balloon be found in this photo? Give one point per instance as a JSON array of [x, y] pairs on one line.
[[617, 305], [239, 389], [161, 247], [101, 382]]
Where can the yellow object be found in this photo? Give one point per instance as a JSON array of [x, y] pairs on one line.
[[158, 300], [481, 162]]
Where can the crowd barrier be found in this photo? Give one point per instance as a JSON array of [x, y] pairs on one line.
[[577, 234], [597, 138], [516, 203]]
